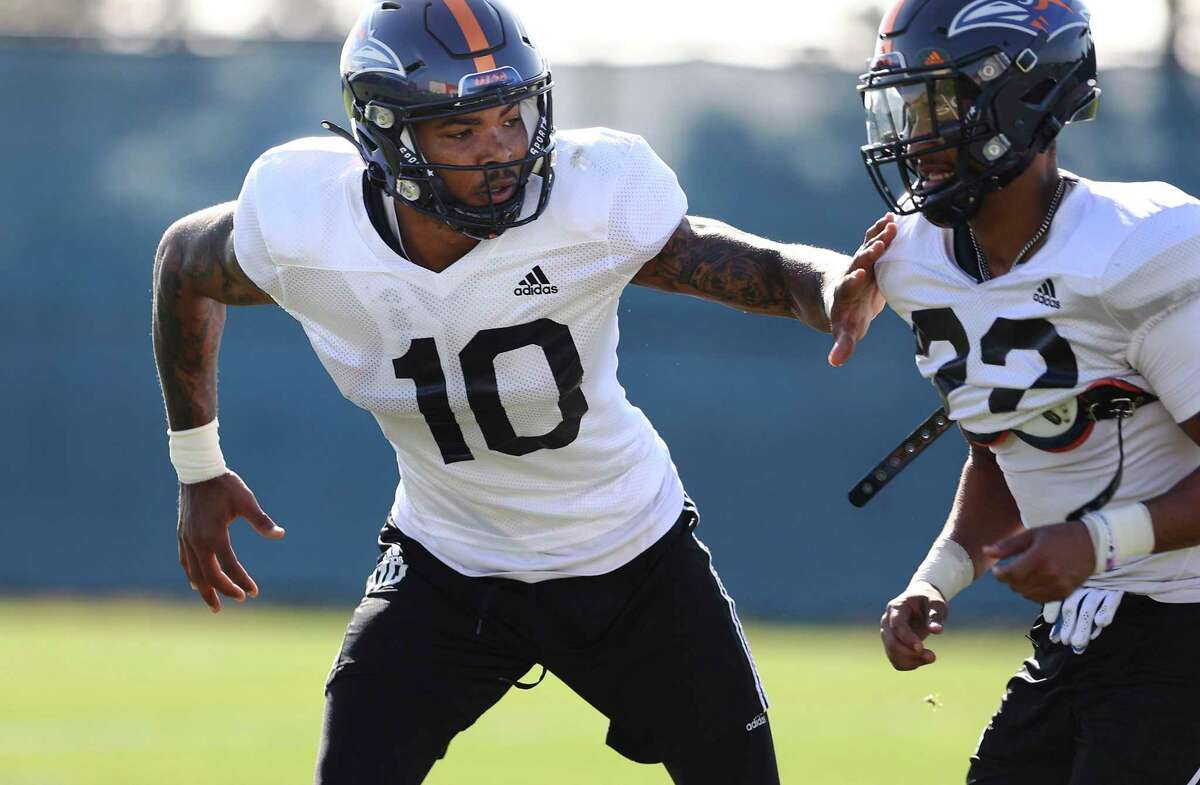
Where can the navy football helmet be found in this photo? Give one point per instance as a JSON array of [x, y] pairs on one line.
[[995, 80], [413, 60]]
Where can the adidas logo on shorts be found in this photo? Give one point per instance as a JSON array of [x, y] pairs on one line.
[[535, 283], [757, 722], [1045, 295], [388, 572]]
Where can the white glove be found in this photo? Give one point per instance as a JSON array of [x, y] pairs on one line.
[[1079, 619]]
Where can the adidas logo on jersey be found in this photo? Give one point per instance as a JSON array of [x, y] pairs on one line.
[[535, 283], [1046, 295]]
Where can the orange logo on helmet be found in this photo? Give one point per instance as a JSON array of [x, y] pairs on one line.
[[935, 58], [1032, 17], [1044, 4]]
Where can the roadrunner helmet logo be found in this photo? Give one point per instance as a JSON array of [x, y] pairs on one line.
[[365, 53], [1032, 17]]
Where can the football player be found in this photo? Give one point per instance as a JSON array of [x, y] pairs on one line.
[[457, 265], [1057, 318]]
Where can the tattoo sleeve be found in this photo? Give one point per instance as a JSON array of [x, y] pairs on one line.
[[712, 260], [196, 275]]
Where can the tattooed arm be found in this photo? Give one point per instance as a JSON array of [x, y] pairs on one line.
[[196, 274], [712, 260]]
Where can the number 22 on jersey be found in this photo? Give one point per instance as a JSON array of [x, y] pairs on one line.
[[1002, 338], [423, 365]]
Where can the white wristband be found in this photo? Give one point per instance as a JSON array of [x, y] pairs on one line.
[[196, 453], [948, 568], [1119, 535]]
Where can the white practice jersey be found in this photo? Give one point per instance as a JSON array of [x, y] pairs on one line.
[[1120, 258], [496, 379]]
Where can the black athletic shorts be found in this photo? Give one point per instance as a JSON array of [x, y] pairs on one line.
[[1125, 712], [655, 645]]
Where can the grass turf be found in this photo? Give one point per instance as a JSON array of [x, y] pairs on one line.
[[137, 693]]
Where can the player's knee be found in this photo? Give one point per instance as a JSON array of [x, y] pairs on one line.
[[370, 735], [745, 756]]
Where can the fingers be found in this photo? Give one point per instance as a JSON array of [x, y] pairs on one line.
[[1009, 547], [200, 581], [874, 248], [937, 616], [206, 512], [880, 231], [853, 309], [183, 563], [1050, 612], [1045, 564], [1108, 609], [1068, 619], [857, 299], [236, 572], [1082, 634], [901, 629], [843, 348], [217, 577], [262, 523], [877, 227]]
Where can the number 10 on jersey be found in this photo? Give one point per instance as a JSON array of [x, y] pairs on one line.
[[478, 359]]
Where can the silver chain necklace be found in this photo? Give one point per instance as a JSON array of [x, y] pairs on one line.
[[985, 272]]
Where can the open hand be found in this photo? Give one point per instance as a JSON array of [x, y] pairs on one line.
[[856, 298], [908, 620], [1052, 561], [206, 509]]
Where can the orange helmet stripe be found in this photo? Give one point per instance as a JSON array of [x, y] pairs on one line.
[[476, 39], [889, 21]]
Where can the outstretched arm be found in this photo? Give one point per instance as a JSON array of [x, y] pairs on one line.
[[827, 291], [196, 275]]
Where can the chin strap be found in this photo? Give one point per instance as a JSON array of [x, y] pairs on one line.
[[337, 130]]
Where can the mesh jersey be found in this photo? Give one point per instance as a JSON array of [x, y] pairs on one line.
[[496, 379], [1119, 258]]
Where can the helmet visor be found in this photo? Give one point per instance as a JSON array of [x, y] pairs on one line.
[[910, 112]]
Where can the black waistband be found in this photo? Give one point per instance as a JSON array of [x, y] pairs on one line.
[[418, 557]]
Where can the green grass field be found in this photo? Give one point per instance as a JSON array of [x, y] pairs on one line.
[[134, 693]]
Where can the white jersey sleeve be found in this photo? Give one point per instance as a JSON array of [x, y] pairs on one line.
[[1157, 266], [1167, 354], [1151, 289], [249, 241], [647, 206]]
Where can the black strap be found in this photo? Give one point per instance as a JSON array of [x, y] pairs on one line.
[[904, 454], [1111, 403], [1114, 484], [377, 212], [1103, 402]]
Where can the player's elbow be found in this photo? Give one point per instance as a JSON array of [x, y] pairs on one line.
[[177, 254], [172, 248], [187, 246]]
